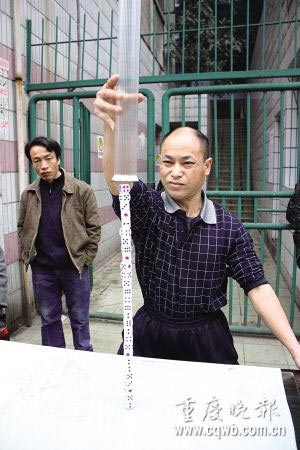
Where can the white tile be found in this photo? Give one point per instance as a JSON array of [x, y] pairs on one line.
[[5, 219]]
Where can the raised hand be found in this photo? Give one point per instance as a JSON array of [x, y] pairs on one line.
[[106, 99]]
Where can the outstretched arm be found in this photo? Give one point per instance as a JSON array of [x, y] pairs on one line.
[[106, 109], [268, 307]]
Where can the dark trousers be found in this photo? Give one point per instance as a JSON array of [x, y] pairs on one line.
[[207, 340], [48, 287]]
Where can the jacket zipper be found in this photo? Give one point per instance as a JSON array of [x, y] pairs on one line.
[[67, 244]]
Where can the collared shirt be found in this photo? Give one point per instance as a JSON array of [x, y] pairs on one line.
[[207, 213], [183, 270]]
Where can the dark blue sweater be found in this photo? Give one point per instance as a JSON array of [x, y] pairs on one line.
[[183, 272], [50, 243]]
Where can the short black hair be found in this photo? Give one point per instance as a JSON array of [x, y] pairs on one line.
[[203, 139], [50, 144]]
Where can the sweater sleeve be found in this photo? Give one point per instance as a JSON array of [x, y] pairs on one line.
[[245, 266]]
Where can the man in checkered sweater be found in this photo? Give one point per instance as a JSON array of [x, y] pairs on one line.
[[186, 246]]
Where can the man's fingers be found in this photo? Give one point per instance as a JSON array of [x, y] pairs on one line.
[[107, 97], [105, 117], [141, 98], [106, 107], [112, 81]]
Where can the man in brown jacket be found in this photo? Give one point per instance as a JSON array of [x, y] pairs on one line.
[[59, 230]]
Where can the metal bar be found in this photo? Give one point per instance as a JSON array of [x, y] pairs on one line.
[[154, 38], [85, 157], [83, 45], [293, 290], [183, 110], [247, 36], [216, 35], [231, 141], [262, 258], [277, 210], [273, 73], [69, 47], [239, 208], [264, 142], [168, 37], [259, 194], [199, 37], [296, 34], [62, 95], [76, 137], [278, 262], [216, 144], [279, 35], [78, 41], [42, 51], [28, 52], [55, 51], [248, 140], [61, 131], [32, 119], [48, 118], [199, 112], [263, 35], [267, 226], [231, 35], [82, 137], [281, 141], [183, 39], [255, 210], [98, 37], [257, 87], [245, 312], [32, 108], [86, 146], [262, 246], [165, 116]]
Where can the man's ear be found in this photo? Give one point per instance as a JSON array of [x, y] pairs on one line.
[[208, 164]]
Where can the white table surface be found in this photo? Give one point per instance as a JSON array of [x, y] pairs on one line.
[[57, 399]]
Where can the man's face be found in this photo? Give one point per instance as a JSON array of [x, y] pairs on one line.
[[45, 163], [183, 169]]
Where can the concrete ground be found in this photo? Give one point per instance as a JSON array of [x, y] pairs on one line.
[[106, 334]]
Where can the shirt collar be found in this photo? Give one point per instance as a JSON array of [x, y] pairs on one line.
[[207, 213]]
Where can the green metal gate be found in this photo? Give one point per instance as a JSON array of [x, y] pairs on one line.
[[81, 142], [218, 50], [258, 228]]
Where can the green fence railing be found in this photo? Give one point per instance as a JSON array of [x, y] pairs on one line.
[[231, 183], [187, 42]]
